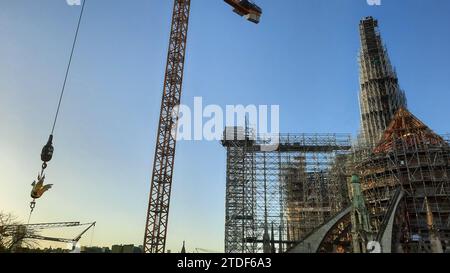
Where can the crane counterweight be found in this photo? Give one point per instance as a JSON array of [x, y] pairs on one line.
[[247, 9]]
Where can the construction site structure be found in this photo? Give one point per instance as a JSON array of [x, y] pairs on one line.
[[400, 189], [274, 198], [380, 95], [389, 193], [410, 156]]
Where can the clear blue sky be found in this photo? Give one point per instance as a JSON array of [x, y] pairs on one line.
[[303, 56]]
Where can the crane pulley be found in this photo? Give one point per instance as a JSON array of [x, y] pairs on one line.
[[47, 152]]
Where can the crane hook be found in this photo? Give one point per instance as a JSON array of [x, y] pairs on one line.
[[32, 205]]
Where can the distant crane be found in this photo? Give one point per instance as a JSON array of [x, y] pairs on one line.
[[203, 250], [30, 231], [163, 163]]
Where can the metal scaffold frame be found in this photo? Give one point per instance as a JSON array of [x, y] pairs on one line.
[[273, 198], [240, 198], [380, 95], [418, 161]]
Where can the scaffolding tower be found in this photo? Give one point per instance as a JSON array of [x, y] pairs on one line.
[[275, 197], [380, 95]]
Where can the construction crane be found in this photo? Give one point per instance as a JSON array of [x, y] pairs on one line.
[[31, 231], [163, 164]]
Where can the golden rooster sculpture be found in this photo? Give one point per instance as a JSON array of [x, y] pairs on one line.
[[39, 188]]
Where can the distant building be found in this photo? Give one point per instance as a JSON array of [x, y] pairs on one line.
[[95, 249], [126, 249]]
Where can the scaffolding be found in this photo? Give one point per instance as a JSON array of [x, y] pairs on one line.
[[412, 157], [240, 218], [380, 95], [274, 198]]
